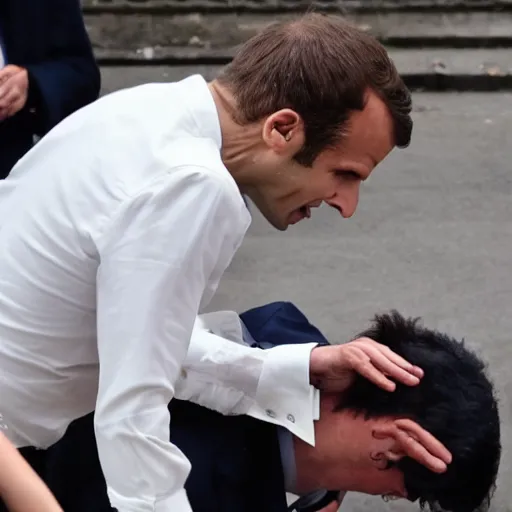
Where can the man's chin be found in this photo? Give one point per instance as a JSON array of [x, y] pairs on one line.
[[277, 223]]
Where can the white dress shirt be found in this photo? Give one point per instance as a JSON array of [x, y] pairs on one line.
[[114, 231]]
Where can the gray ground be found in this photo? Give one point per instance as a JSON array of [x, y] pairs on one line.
[[432, 238]]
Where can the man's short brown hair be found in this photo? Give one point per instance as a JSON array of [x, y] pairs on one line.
[[321, 67]]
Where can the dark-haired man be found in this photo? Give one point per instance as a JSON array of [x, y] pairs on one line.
[[367, 438], [118, 225]]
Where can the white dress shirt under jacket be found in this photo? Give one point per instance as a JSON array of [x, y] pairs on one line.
[[115, 230]]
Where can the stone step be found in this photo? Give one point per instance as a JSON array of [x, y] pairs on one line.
[[215, 35], [425, 69], [337, 6]]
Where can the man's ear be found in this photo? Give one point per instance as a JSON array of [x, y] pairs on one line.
[[283, 131], [386, 448], [405, 438]]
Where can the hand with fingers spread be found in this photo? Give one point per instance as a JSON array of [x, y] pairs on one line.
[[415, 442], [14, 85], [333, 368]]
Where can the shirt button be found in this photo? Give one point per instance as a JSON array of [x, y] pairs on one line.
[[270, 413], [291, 418]]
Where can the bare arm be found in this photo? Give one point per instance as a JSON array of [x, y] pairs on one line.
[[20, 487]]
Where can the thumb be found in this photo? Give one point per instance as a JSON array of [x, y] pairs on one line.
[[8, 71]]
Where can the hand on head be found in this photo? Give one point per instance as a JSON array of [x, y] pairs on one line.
[[334, 368], [415, 442], [388, 428]]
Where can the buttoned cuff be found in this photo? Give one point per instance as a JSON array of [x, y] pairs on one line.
[[284, 395], [176, 502]]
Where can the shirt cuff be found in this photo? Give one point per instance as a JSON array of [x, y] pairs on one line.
[[284, 395], [176, 502]]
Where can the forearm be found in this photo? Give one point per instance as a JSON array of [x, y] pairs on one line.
[[141, 346], [20, 487], [233, 378], [144, 472]]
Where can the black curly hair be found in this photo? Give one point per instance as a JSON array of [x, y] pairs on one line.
[[455, 402]]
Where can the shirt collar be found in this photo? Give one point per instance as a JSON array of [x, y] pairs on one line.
[[204, 110]]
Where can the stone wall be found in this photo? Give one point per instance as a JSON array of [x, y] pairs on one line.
[[149, 36], [287, 5], [436, 44]]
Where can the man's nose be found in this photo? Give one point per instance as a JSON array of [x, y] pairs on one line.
[[345, 203]]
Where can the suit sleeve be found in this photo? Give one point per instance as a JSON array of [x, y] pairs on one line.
[[69, 77]]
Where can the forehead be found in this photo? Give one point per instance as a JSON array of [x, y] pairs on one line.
[[369, 138]]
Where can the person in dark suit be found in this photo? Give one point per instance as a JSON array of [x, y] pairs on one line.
[[367, 439], [47, 71]]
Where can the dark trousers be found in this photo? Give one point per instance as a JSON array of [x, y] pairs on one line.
[[71, 469]]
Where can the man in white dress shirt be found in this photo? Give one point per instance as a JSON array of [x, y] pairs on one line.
[[118, 225]]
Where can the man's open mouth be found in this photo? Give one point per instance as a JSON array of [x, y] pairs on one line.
[[305, 211]]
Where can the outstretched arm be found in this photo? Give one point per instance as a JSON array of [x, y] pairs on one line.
[[275, 385], [233, 378]]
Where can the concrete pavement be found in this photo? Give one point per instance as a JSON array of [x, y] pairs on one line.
[[432, 238]]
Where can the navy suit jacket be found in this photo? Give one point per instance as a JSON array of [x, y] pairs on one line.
[[48, 38], [230, 470]]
